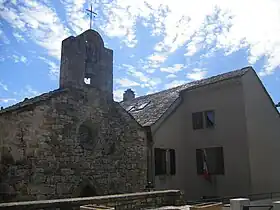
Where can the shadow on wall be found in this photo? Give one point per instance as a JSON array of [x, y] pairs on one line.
[[7, 164]]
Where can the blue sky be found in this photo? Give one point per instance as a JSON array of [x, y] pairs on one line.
[[157, 44]]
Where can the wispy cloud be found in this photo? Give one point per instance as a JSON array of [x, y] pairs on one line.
[[170, 76], [26, 92], [76, 15], [7, 100], [125, 82], [3, 36], [53, 68], [172, 69], [5, 87], [197, 74], [38, 22], [18, 58], [146, 81], [19, 37], [118, 94], [217, 25], [174, 83]]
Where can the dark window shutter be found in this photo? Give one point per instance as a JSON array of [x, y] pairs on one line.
[[172, 162], [199, 161], [160, 161]]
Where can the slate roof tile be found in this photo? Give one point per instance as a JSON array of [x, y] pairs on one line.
[[156, 104]]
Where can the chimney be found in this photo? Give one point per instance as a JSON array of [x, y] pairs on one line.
[[128, 95], [278, 105]]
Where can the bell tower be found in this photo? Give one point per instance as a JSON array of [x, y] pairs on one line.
[[85, 62]]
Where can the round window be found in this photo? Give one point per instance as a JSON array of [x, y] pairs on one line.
[[87, 136]]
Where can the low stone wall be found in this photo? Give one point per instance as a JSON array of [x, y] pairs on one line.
[[207, 206], [119, 202]]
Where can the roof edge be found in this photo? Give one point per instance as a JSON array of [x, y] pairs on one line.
[[248, 68], [34, 100], [266, 92]]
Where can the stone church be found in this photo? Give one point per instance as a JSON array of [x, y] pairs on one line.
[[74, 141]]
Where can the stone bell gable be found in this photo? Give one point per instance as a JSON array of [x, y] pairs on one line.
[[85, 61], [73, 141]]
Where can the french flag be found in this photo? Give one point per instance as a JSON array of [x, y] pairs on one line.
[[206, 174]]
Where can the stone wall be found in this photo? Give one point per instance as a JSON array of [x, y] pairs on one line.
[[45, 154], [119, 202]]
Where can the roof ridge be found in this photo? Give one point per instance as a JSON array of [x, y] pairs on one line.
[[245, 69], [161, 101]]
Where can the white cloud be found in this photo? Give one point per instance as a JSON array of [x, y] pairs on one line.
[[172, 69], [144, 80], [174, 83], [118, 94], [17, 58], [5, 87], [38, 22], [3, 37], [217, 25], [53, 68], [19, 37], [170, 76], [30, 92], [197, 74], [157, 58], [76, 15], [7, 100], [26, 92], [125, 82]]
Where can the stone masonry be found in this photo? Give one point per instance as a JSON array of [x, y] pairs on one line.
[[74, 141]]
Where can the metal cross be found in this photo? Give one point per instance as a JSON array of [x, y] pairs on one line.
[[91, 13]]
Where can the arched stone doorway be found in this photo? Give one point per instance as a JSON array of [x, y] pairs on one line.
[[87, 188], [88, 191]]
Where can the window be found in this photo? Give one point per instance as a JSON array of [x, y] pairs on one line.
[[214, 159], [88, 135], [129, 108], [209, 119], [142, 106], [172, 161], [203, 119], [197, 120], [160, 161], [139, 106], [165, 161]]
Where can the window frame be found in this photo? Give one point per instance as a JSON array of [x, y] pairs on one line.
[[217, 168], [163, 170], [168, 167], [195, 119], [206, 119]]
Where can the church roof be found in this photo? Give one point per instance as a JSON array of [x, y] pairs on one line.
[[32, 101], [150, 108]]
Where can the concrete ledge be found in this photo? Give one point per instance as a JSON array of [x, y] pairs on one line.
[[120, 201]]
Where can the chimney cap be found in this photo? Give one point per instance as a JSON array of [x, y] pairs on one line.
[[278, 105], [129, 90], [128, 95]]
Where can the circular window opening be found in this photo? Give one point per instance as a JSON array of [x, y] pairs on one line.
[[88, 136]]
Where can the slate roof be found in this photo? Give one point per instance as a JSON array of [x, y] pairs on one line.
[[149, 108], [28, 102]]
